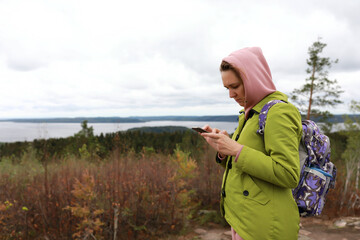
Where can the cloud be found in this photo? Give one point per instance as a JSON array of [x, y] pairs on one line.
[[122, 58]]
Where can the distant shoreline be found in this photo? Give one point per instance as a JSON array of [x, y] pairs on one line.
[[339, 118]]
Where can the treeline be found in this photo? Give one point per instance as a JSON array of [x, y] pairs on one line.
[[155, 139]]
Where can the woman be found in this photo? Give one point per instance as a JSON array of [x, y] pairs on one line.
[[260, 171]]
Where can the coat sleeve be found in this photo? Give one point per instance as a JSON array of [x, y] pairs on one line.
[[279, 164]]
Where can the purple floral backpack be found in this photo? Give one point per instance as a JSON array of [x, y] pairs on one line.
[[317, 173]]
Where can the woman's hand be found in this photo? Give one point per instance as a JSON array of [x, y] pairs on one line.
[[221, 141], [207, 128]]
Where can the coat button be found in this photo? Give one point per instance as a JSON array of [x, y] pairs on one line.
[[246, 193]]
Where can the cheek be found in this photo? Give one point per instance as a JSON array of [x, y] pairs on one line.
[[241, 91]]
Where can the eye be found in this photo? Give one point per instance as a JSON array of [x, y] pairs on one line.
[[232, 87]]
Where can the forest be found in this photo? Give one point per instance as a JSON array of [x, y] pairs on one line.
[[138, 184]]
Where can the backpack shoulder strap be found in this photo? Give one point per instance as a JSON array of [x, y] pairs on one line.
[[263, 115]]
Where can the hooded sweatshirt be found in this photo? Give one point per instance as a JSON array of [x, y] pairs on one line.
[[256, 196], [255, 74]]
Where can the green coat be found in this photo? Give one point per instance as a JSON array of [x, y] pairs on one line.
[[256, 198]]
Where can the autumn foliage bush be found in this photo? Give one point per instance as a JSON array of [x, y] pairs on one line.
[[127, 196]]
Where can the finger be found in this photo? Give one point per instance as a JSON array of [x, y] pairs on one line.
[[211, 135], [215, 130], [207, 128], [224, 132]]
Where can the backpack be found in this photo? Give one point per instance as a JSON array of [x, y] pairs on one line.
[[317, 173]]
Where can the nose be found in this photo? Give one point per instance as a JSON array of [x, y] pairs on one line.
[[232, 93]]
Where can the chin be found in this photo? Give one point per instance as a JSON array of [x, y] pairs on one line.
[[241, 103]]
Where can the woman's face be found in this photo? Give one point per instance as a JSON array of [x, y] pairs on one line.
[[235, 86]]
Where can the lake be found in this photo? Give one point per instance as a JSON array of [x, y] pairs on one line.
[[14, 131]]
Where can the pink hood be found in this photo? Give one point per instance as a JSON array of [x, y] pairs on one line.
[[255, 73]]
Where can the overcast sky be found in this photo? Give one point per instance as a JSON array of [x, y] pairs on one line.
[[74, 58]]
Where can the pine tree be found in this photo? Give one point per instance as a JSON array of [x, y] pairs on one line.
[[318, 90]]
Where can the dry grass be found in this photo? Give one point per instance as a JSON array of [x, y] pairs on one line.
[[133, 196]]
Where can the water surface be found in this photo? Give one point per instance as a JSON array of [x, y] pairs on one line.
[[14, 131]]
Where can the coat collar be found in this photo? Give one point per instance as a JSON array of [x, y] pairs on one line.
[[257, 108]]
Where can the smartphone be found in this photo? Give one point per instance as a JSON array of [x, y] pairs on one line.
[[200, 130]]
